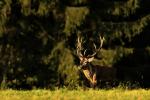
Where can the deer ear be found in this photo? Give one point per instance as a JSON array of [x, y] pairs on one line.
[[90, 59]]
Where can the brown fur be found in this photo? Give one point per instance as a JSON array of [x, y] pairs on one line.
[[98, 73]]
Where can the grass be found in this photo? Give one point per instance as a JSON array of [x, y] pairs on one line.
[[80, 94]]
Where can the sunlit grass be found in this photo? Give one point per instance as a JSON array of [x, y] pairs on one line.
[[80, 94]]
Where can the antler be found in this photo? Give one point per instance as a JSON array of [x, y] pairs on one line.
[[79, 46], [101, 40]]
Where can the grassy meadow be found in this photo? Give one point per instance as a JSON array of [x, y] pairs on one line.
[[80, 94]]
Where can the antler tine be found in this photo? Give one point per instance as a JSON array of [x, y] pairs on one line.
[[94, 45], [79, 41], [79, 47], [85, 51], [101, 41]]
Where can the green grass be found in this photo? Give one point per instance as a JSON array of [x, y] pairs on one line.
[[64, 94]]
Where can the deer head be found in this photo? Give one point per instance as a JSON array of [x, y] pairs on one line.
[[87, 58]]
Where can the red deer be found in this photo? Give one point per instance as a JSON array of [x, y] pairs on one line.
[[92, 72], [85, 60]]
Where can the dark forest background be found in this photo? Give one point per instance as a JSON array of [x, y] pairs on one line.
[[38, 38]]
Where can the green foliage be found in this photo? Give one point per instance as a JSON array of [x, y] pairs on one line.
[[123, 52], [110, 57], [67, 69], [62, 61], [107, 58], [75, 17], [76, 2], [125, 8]]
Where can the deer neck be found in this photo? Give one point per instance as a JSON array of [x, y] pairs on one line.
[[89, 73]]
